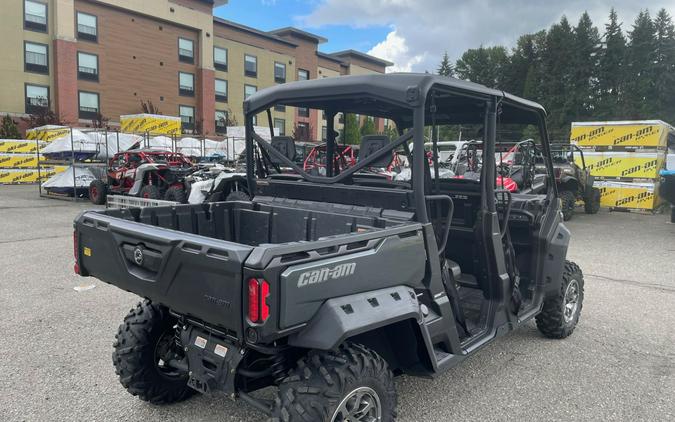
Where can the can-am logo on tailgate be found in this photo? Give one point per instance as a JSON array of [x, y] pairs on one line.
[[326, 273]]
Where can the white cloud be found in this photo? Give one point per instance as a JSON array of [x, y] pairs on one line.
[[422, 30]]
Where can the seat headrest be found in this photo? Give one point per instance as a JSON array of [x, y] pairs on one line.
[[285, 145], [372, 143]]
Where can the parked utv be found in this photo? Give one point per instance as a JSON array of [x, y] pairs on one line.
[[146, 173], [325, 287], [575, 182]]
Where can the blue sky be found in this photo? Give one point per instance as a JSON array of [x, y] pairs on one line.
[[272, 14]]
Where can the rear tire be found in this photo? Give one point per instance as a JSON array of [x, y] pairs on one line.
[[560, 314], [136, 360], [176, 194], [327, 386], [150, 192], [98, 191], [568, 200], [592, 203]]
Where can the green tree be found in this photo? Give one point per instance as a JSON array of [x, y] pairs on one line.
[[611, 70], [351, 130], [484, 65], [446, 68], [9, 129], [368, 127], [664, 67], [584, 68], [640, 68]]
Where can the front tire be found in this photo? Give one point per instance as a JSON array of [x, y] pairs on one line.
[[561, 313], [150, 192], [353, 383], [176, 194], [592, 203], [568, 200], [143, 341]]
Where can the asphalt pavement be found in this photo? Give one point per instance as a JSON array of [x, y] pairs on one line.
[[56, 341]]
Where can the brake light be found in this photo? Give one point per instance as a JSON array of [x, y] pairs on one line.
[[76, 250], [258, 292]]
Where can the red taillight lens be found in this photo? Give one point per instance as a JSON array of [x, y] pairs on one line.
[[76, 250], [258, 292]]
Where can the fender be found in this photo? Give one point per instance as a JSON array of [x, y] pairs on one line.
[[347, 316], [140, 175]]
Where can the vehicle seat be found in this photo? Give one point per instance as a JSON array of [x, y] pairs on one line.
[[463, 280], [371, 144], [285, 145]]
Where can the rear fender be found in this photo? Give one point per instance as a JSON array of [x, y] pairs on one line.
[[141, 173], [341, 318]]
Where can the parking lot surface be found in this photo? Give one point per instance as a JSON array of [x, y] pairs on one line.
[[55, 353]]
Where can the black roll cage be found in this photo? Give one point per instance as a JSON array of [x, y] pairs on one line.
[[492, 109]]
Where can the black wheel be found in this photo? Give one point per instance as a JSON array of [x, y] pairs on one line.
[[237, 195], [592, 202], [560, 314], [567, 199], [150, 192], [176, 194], [350, 384], [144, 342], [98, 191]]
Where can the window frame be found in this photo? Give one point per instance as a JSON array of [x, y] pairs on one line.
[[249, 85], [88, 115], [83, 35], [35, 68], [218, 65], [303, 112], [84, 76], [283, 66], [184, 92], [248, 73], [219, 127], [221, 98], [183, 125], [30, 109], [35, 26], [303, 70], [282, 130], [181, 57]]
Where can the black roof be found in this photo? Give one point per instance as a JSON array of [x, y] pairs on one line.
[[393, 95]]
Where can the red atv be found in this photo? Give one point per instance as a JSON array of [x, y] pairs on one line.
[[146, 173]]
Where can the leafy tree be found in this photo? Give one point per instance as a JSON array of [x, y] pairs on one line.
[[446, 68], [368, 127], [640, 92], [611, 70], [148, 107], [9, 129], [351, 130], [42, 116], [484, 65]]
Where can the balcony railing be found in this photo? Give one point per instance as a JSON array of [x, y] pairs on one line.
[[188, 91], [185, 55], [88, 73], [35, 22], [222, 97], [251, 73], [87, 32], [36, 62], [220, 66], [88, 112]]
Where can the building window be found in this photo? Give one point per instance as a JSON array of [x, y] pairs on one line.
[[249, 90], [303, 74], [36, 57], [89, 108], [87, 66], [280, 124], [341, 118], [303, 112], [187, 117], [186, 50], [87, 28], [279, 72], [35, 15], [250, 66], [37, 98], [221, 121], [220, 58], [303, 132], [324, 133], [186, 84], [280, 108], [221, 90]]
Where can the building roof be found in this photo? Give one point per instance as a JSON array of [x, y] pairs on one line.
[[331, 57], [363, 56], [215, 3], [289, 30], [253, 31], [393, 95]]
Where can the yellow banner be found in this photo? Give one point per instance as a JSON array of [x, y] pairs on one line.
[[18, 146], [623, 164], [628, 195], [18, 160], [151, 124], [619, 135], [16, 176], [47, 135]]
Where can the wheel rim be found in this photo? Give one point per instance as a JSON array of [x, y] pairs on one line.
[[164, 351], [571, 303], [362, 404]]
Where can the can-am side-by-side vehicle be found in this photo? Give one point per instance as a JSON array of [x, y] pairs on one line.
[[326, 287]]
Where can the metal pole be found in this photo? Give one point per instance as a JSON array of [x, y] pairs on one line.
[[37, 152], [418, 164], [72, 163], [330, 143]]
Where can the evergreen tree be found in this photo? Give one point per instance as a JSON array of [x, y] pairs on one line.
[[446, 68], [8, 128], [351, 130], [640, 68], [558, 78], [584, 68], [664, 67], [484, 65], [611, 70], [368, 127]]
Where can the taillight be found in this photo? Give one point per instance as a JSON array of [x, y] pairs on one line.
[[258, 292], [76, 250]]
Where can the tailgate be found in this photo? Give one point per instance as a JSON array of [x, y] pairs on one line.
[[193, 275]]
